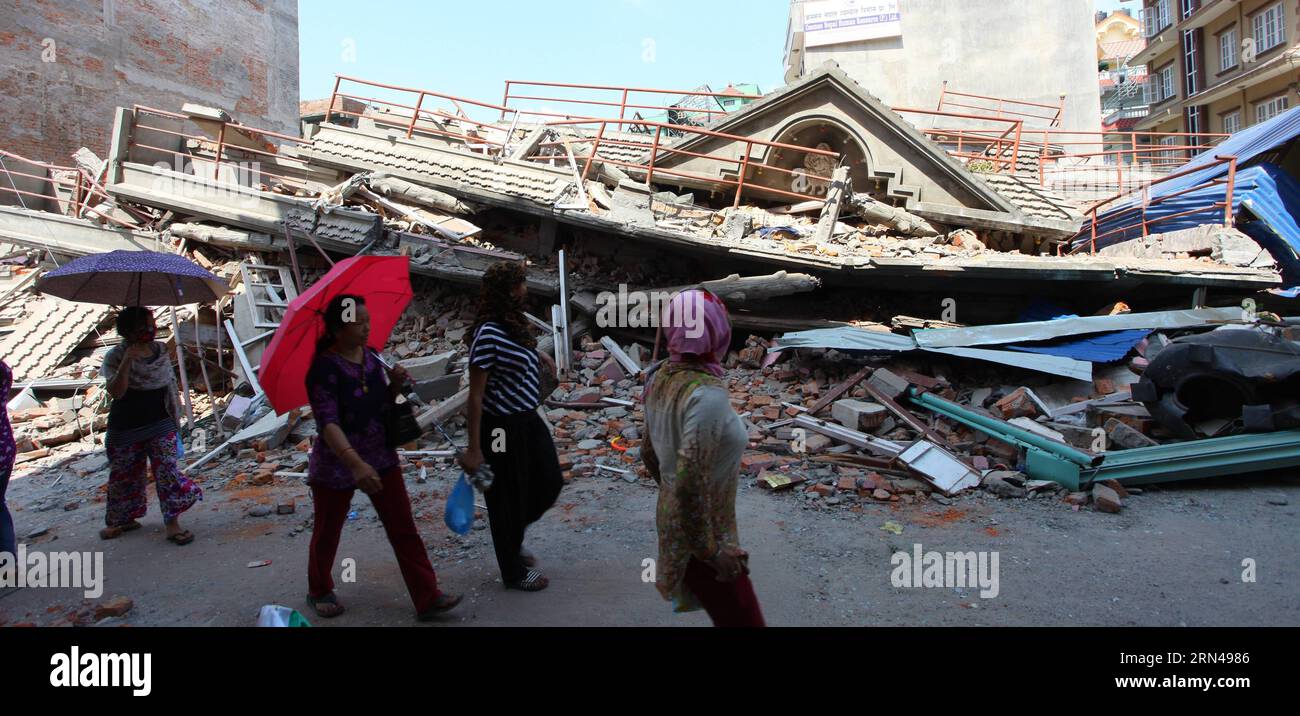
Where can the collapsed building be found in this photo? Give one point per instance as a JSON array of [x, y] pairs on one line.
[[815, 211]]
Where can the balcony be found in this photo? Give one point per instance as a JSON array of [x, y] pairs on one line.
[[1208, 12]]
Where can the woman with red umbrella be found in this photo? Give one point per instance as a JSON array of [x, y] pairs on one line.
[[349, 394], [324, 352]]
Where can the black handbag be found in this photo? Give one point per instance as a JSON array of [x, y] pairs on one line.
[[400, 425]]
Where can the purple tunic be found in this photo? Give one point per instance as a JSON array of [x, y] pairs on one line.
[[7, 447], [334, 388]]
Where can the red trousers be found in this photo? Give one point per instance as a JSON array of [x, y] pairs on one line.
[[729, 604], [394, 510]]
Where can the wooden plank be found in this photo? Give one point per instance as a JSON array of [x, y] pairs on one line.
[[840, 390]]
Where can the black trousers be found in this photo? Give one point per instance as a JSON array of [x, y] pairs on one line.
[[526, 484]]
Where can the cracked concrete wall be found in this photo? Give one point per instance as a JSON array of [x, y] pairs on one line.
[[65, 64]]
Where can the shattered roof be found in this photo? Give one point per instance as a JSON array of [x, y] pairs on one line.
[[447, 167], [50, 333], [1033, 200]]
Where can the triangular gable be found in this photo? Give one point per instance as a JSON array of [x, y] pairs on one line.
[[901, 162]]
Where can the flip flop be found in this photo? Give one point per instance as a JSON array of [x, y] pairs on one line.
[[119, 530], [327, 600], [181, 538], [534, 581], [445, 602]]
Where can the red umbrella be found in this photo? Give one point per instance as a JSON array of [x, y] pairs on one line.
[[385, 283]]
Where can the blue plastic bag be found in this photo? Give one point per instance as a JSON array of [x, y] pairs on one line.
[[460, 507], [180, 447]]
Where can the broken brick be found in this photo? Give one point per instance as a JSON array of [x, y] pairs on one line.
[[1017, 405], [822, 490], [1105, 499], [115, 607]]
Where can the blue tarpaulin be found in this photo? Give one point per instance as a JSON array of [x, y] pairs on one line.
[[1269, 196], [1265, 202], [1097, 348], [1101, 348]]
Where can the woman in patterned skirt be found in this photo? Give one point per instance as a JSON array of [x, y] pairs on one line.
[[143, 421]]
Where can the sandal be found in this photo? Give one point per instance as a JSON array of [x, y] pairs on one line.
[[534, 581], [444, 602], [184, 537], [330, 601], [119, 530]]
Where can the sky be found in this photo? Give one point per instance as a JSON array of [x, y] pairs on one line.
[[1112, 5], [468, 49]]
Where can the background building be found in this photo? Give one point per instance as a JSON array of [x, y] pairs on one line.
[[1218, 65], [902, 51], [1122, 83], [65, 64]]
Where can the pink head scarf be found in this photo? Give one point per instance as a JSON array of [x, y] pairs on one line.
[[695, 323]]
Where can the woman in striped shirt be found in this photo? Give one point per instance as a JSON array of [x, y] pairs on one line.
[[504, 427]]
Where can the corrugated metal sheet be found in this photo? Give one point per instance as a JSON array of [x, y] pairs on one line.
[[859, 339], [1064, 327]]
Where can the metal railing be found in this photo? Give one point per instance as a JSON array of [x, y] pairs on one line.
[[652, 147], [1109, 162], [1001, 107], [608, 97], [657, 149], [85, 192], [221, 151], [1000, 147], [454, 123], [1138, 211]]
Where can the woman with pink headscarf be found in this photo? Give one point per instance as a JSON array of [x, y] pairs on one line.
[[692, 448]]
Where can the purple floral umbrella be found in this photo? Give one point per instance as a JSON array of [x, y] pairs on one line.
[[133, 278]]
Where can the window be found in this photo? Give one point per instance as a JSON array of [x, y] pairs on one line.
[[1166, 83], [1156, 17], [1270, 30], [1168, 142], [1192, 61], [1228, 44], [1270, 108], [1232, 122]]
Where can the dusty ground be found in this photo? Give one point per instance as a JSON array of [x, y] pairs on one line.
[[1172, 557]]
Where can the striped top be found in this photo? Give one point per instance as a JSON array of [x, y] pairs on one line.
[[513, 370]]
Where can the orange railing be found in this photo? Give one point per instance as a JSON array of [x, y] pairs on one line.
[[1003, 108], [1112, 161], [657, 149], [594, 131], [85, 189], [426, 120], [1139, 209], [223, 148], [604, 98], [1001, 147]]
